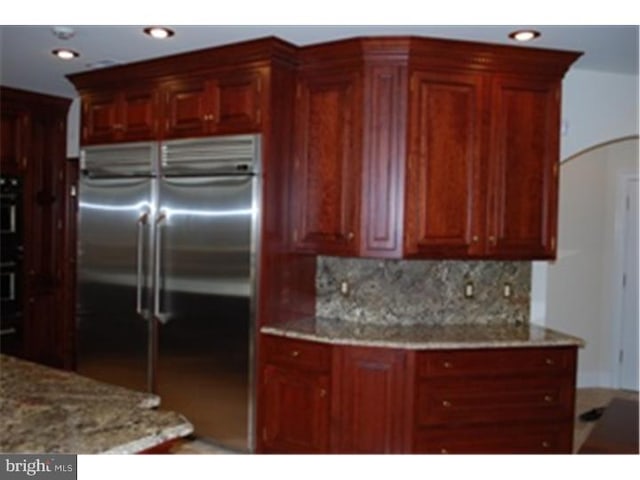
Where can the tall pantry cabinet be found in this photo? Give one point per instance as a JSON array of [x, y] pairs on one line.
[[33, 151]]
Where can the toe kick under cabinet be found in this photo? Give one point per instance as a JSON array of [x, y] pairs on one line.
[[323, 398]]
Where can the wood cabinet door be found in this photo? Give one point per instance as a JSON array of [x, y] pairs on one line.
[[187, 108], [101, 118], [443, 197], [15, 139], [138, 115], [238, 102], [523, 168], [370, 403], [327, 164], [295, 411]]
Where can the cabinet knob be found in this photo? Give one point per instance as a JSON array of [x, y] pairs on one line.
[[549, 361], [545, 444], [446, 403], [323, 392], [295, 353], [548, 398], [492, 240], [350, 236], [444, 450], [475, 239], [447, 364]]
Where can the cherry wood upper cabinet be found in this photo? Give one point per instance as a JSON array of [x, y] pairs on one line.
[[453, 150], [523, 168], [444, 194], [187, 107], [239, 100], [327, 167], [228, 102], [223, 90], [119, 116]]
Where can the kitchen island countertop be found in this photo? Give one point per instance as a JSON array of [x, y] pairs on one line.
[[422, 337], [46, 410]]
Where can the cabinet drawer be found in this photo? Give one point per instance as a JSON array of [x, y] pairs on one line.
[[455, 401], [297, 353], [551, 438], [497, 362]]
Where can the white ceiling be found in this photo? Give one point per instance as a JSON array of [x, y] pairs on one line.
[[27, 62]]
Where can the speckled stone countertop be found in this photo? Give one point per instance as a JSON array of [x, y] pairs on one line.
[[46, 410], [420, 336]]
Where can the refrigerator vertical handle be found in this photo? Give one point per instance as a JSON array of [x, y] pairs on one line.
[[142, 222], [160, 218]]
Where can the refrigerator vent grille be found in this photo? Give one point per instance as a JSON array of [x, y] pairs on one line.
[[121, 159], [211, 154]]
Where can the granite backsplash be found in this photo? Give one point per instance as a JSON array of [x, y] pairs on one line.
[[425, 292]]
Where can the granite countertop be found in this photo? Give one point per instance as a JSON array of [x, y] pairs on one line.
[[46, 410], [422, 337]]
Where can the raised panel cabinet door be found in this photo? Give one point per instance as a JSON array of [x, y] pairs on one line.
[[370, 403], [327, 164], [139, 115], [238, 102], [296, 411], [444, 204], [15, 137], [187, 108], [523, 168], [101, 118]]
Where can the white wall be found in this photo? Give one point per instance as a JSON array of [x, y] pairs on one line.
[[583, 285], [597, 107], [73, 129]]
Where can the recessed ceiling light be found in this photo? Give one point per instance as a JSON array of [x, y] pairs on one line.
[[65, 53], [159, 32], [524, 35]]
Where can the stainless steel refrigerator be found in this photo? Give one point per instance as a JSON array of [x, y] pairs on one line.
[[166, 276]]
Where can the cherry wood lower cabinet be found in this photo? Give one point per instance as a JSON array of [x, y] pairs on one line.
[[320, 398], [370, 395], [295, 397]]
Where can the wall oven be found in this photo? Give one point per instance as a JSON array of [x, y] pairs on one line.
[[11, 263]]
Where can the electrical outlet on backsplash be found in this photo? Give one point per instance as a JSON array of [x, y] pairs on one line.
[[420, 291]]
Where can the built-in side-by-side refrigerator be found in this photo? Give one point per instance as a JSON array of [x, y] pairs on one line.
[[166, 276]]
